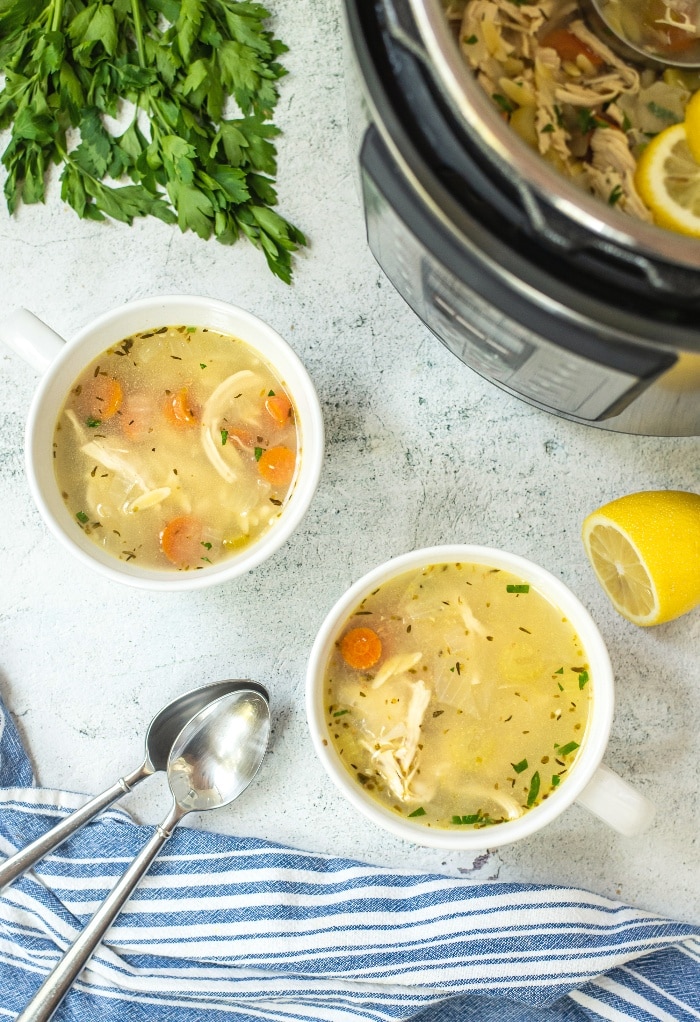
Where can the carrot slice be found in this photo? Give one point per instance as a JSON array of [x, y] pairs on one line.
[[241, 436], [181, 541], [361, 648], [100, 398], [276, 465], [569, 47], [279, 408], [179, 409], [136, 414]]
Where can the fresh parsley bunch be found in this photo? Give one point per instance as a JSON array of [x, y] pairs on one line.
[[67, 63]]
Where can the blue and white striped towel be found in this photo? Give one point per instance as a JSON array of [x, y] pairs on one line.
[[237, 929]]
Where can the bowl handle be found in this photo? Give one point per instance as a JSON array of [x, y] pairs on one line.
[[31, 338], [617, 803]]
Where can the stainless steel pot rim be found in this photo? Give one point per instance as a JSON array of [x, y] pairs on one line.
[[515, 158]]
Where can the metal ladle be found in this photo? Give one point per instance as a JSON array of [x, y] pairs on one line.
[[213, 760], [162, 732], [612, 32]]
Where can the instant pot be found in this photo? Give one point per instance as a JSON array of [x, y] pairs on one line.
[[546, 291]]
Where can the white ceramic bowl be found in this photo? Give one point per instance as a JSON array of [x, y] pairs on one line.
[[61, 362], [594, 785]]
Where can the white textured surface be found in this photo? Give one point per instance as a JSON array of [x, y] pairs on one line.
[[420, 451]]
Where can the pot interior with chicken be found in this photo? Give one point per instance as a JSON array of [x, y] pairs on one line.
[[457, 695], [583, 108], [176, 448]]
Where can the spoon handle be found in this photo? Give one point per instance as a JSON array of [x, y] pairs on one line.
[[66, 971], [23, 860]]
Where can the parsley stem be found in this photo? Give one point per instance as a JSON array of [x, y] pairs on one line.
[[138, 31], [57, 15]]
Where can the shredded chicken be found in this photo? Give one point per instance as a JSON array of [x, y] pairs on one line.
[[395, 754], [610, 174], [397, 664], [115, 461]]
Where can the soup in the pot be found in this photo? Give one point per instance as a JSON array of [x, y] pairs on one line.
[[176, 448], [457, 695], [583, 108]]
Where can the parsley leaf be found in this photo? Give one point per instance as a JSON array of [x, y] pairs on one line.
[[67, 66]]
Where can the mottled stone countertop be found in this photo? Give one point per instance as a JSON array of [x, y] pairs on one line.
[[420, 450]]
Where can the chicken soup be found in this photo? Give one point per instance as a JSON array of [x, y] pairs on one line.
[[457, 695], [176, 448]]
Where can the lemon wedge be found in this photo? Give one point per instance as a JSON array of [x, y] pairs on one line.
[[692, 125], [645, 551], [668, 181]]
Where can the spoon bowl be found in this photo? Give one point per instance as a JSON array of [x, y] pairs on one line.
[[216, 756]]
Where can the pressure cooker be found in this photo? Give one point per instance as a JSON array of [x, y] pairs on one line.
[[541, 288]]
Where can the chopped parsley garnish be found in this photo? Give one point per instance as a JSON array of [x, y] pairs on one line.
[[534, 788], [615, 195], [519, 767], [518, 589], [588, 121], [82, 517], [258, 453], [417, 812], [207, 546], [560, 671], [466, 821], [564, 750], [583, 679], [504, 103], [340, 713], [556, 780], [470, 40], [92, 423], [662, 112], [202, 365], [224, 436], [191, 329], [547, 129], [270, 393]]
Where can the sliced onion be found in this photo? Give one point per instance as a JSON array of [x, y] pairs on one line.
[[213, 413]]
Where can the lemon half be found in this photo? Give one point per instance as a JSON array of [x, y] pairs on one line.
[[668, 181], [645, 551]]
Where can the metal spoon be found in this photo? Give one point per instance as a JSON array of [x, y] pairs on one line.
[[614, 31], [214, 758], [162, 732]]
